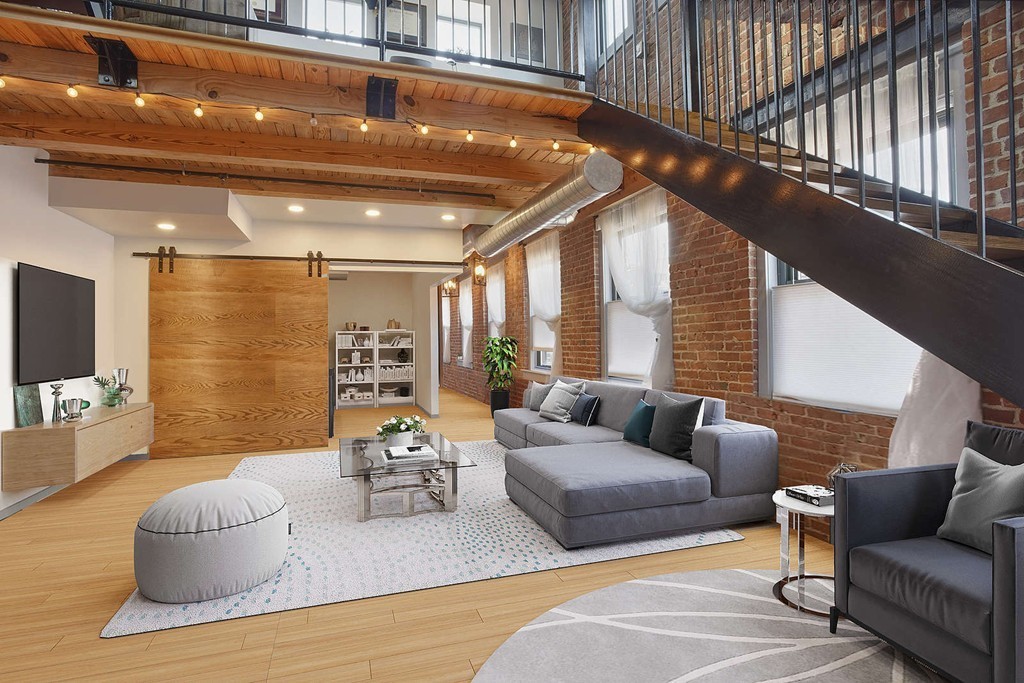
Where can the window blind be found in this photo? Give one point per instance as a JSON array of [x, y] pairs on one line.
[[630, 342], [828, 352]]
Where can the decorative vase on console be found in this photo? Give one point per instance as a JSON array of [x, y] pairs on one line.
[[121, 378]]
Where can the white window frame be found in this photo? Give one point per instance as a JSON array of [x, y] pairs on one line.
[[318, 17], [615, 35], [475, 16]]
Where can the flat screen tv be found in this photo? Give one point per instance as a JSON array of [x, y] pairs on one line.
[[56, 325]]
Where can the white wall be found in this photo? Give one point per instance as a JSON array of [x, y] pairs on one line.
[[426, 319], [32, 232], [370, 299]]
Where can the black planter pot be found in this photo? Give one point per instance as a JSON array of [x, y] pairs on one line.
[[499, 400]]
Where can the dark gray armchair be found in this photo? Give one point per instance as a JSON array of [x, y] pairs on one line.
[[957, 609]]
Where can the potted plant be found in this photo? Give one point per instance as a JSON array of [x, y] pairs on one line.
[[399, 431], [499, 363]]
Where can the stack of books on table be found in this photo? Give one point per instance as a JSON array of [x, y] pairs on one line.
[[815, 495], [415, 454]]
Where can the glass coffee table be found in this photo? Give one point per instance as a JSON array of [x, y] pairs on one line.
[[363, 460]]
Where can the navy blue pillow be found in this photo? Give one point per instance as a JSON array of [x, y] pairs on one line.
[[639, 424], [585, 409]]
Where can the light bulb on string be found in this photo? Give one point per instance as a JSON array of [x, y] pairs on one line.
[[198, 111], [513, 142], [469, 136], [555, 145], [312, 120], [259, 114], [592, 149], [424, 129], [3, 83], [72, 91], [364, 126], [139, 102]]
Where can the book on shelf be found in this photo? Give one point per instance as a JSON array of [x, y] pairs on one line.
[[819, 496]]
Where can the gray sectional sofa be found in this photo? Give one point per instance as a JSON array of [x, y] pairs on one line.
[[586, 485]]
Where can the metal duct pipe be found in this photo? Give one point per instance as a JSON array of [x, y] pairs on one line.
[[598, 175]]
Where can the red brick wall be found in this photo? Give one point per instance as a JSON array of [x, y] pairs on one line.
[[517, 314], [470, 381]]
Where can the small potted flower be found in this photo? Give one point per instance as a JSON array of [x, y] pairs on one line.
[[399, 431]]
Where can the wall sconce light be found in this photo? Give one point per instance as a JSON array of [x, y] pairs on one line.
[[479, 271], [450, 288]]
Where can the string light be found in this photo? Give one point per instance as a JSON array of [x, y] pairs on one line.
[[469, 136], [198, 111], [258, 114], [72, 91], [512, 142], [555, 145], [424, 129], [139, 102], [3, 83], [312, 120], [364, 126], [592, 149]]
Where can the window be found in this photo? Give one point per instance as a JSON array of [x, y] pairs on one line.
[[446, 329], [544, 275], [461, 28], [617, 22], [466, 322], [496, 300], [345, 17], [638, 306], [825, 351]]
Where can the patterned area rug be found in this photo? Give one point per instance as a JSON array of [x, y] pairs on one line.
[[712, 626], [334, 558]]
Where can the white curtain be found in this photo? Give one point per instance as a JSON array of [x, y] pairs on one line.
[[544, 272], [635, 237], [466, 321], [496, 300], [932, 422], [446, 328]]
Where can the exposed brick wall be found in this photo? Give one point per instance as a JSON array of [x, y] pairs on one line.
[[517, 310], [580, 251]]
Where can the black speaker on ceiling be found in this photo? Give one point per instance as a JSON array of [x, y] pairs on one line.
[[381, 94]]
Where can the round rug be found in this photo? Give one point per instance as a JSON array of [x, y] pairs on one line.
[[696, 626]]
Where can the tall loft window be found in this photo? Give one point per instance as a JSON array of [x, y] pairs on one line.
[[345, 17], [496, 300], [638, 306], [616, 22], [446, 329], [466, 322], [544, 277], [462, 28]]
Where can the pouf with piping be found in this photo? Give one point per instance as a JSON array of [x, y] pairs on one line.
[[209, 540]]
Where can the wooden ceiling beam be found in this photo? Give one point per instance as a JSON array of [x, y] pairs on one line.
[[100, 136], [180, 88], [296, 185]]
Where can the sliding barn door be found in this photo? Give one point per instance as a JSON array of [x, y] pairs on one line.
[[238, 357]]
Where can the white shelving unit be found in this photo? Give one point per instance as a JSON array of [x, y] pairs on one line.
[[375, 368]]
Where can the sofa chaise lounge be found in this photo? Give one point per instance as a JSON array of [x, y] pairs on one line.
[[585, 485]]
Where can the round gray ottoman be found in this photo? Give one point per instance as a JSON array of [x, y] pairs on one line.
[[209, 540]]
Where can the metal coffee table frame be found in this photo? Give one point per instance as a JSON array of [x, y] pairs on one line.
[[795, 511], [363, 460]]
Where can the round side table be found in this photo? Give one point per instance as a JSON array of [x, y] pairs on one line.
[[791, 514]]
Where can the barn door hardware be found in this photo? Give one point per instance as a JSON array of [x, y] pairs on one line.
[[319, 264], [161, 253], [170, 266], [309, 263]]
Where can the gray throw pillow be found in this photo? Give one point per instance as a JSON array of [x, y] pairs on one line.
[[985, 491], [1002, 444], [674, 424], [560, 400], [537, 393]]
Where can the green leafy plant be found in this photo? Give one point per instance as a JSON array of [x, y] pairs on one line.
[[500, 361], [103, 382], [400, 425]]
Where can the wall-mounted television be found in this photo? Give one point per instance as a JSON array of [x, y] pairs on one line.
[[56, 325]]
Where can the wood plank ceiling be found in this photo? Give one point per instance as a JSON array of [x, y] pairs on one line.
[[103, 134]]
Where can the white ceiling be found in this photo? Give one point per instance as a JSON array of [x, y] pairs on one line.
[[354, 213]]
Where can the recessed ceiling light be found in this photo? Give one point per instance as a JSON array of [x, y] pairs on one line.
[[296, 208], [447, 217], [372, 213], [166, 226]]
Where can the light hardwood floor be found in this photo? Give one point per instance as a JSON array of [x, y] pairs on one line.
[[67, 567]]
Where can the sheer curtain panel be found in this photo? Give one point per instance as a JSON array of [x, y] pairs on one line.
[[466, 321], [446, 328], [635, 237], [544, 272], [496, 300]]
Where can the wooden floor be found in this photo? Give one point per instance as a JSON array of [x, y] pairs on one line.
[[67, 567]]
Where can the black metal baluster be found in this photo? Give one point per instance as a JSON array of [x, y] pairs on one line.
[[798, 82], [752, 40], [777, 90], [637, 52], [501, 21], [529, 32], [545, 32], [514, 38], [671, 67], [830, 105], [848, 40], [1013, 112], [862, 190], [894, 112], [871, 90], [979, 138], [919, 76], [685, 66], [933, 118], [766, 69], [814, 78], [701, 76], [736, 97], [657, 62], [717, 80], [950, 136]]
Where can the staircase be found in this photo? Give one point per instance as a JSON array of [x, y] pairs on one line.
[[942, 275]]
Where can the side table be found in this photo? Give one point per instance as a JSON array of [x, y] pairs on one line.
[[791, 515]]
